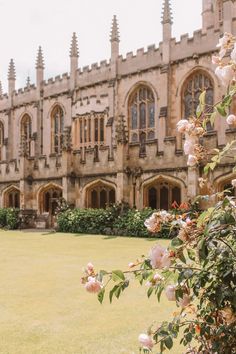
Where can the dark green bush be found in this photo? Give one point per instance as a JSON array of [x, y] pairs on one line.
[[9, 218], [118, 220]]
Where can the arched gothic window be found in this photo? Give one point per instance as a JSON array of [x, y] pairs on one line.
[[142, 114], [161, 195], [12, 198], [57, 127], [1, 140], [26, 132], [101, 196], [193, 87]]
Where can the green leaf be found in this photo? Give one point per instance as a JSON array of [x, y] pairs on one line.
[[176, 242], [112, 292], [202, 98], [168, 342], [150, 291], [212, 118], [221, 109], [117, 275], [101, 295]]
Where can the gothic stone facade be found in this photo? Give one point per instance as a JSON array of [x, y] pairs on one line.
[[107, 133]]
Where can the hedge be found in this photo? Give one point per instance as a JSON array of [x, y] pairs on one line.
[[9, 218], [116, 220]]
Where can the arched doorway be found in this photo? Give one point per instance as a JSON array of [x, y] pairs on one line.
[[50, 198]]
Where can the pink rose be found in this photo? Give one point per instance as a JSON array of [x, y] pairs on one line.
[[185, 301], [192, 160], [131, 265], [227, 74], [158, 277], [233, 53], [183, 125], [215, 60], [146, 341], [93, 285], [170, 293], [90, 267], [231, 120], [156, 255], [166, 261], [189, 146]]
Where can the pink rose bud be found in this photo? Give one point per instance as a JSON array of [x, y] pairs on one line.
[[188, 222], [93, 285], [157, 277], [231, 120], [131, 265], [170, 293], [90, 267], [192, 160], [215, 60], [185, 301], [146, 341]]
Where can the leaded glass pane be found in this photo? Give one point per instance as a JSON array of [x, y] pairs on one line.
[[102, 130], [134, 117], [152, 198], [151, 114], [142, 115], [96, 130], [196, 84]]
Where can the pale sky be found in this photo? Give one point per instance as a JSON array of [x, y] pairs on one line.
[[26, 24]]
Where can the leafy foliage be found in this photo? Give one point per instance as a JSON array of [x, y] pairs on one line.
[[116, 220], [9, 218]]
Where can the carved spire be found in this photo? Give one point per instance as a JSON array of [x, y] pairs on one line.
[[74, 51], [39, 60], [28, 82], [11, 71], [115, 36], [167, 12]]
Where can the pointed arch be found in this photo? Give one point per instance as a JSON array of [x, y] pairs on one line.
[[161, 191], [225, 182], [11, 197], [46, 195], [26, 133], [141, 113], [57, 116], [99, 194]]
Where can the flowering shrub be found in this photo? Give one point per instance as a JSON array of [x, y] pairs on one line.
[[197, 270], [9, 218], [112, 221]]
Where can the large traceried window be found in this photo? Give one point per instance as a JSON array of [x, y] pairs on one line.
[[1, 140], [142, 115], [57, 127], [161, 195], [26, 134], [193, 87]]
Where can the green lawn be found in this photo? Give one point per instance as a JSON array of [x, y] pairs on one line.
[[44, 308]]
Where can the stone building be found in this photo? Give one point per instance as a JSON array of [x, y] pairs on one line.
[[107, 133]]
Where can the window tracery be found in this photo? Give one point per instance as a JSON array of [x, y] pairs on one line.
[[161, 195], [1, 140], [26, 134], [101, 196], [193, 87], [57, 127], [142, 115], [12, 198]]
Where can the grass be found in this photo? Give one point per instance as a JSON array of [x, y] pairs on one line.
[[44, 308]]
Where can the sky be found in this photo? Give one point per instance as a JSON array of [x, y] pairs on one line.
[[26, 24]]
